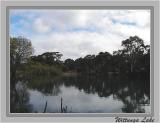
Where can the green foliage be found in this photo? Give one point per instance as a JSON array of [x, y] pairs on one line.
[[48, 58], [134, 48], [20, 51], [30, 70], [134, 57], [69, 63]]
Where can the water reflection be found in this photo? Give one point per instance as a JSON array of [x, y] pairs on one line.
[[76, 101], [89, 94], [20, 99]]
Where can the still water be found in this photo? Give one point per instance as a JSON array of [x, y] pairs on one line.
[[86, 95]]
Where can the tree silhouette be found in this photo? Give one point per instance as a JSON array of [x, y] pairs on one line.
[[133, 47]]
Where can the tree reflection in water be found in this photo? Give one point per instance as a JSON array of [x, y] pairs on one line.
[[134, 92], [46, 85], [19, 99]]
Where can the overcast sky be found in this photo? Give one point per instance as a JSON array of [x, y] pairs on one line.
[[76, 33]]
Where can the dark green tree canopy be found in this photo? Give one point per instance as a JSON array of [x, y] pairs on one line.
[[133, 45], [133, 48], [48, 57], [132, 57]]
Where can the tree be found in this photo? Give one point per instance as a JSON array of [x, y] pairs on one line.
[[79, 65], [89, 61], [55, 56], [133, 47], [118, 62], [20, 50], [48, 58], [69, 63], [103, 62]]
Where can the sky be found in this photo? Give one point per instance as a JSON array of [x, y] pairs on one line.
[[77, 33]]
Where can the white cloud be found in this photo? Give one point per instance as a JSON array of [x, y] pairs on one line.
[[76, 44], [76, 33], [41, 26]]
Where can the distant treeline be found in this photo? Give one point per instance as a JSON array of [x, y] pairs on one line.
[[133, 58]]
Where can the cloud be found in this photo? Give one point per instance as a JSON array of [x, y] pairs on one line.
[[76, 44], [41, 26], [76, 33]]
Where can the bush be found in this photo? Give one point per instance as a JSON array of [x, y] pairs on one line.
[[31, 69]]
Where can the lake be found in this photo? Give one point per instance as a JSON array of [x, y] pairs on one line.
[[85, 94]]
